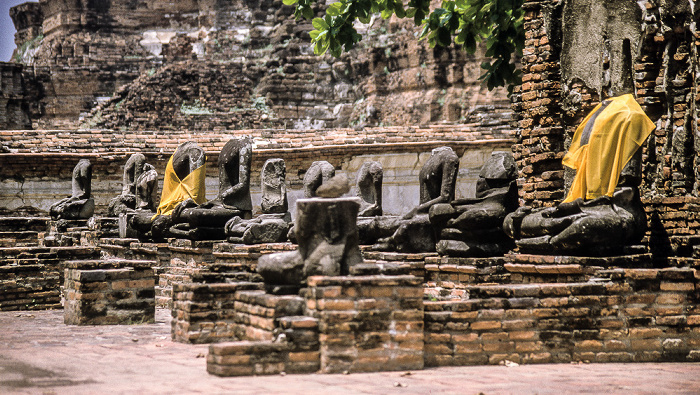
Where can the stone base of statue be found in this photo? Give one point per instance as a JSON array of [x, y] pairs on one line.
[[71, 208], [326, 231], [372, 229], [412, 235], [604, 226], [266, 228]]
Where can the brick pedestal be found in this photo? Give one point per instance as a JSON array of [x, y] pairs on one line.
[[101, 292], [368, 323], [205, 313]]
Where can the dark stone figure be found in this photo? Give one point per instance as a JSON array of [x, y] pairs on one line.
[[474, 227], [369, 189], [79, 205], [126, 201], [146, 189], [318, 173], [187, 158], [146, 200], [600, 226], [272, 226], [437, 185], [274, 189], [206, 221], [326, 230]]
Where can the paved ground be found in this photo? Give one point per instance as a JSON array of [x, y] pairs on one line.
[[41, 355]]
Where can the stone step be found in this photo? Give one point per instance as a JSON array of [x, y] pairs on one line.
[[37, 224]]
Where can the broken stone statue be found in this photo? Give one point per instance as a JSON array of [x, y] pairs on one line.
[[371, 224], [206, 221], [146, 200], [369, 189], [273, 225], [414, 232], [318, 173], [184, 179], [326, 230], [79, 205], [473, 227], [602, 213], [126, 201]]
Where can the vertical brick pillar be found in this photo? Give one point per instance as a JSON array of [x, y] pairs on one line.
[[368, 323], [540, 146]]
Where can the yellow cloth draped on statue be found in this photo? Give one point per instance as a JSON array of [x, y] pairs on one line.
[[176, 190], [617, 131]]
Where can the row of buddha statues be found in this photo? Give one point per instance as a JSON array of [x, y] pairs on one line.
[[601, 214]]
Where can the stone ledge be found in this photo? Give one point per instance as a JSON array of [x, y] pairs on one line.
[[109, 264], [634, 260], [549, 269], [396, 256], [354, 281]]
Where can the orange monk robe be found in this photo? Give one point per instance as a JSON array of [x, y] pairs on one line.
[[176, 190], [618, 132]]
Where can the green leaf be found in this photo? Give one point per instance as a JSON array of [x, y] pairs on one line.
[[307, 13], [290, 2], [444, 37], [319, 24], [332, 10]]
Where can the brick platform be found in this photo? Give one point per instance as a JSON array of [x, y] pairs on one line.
[[100, 292], [21, 231], [633, 315], [31, 277]]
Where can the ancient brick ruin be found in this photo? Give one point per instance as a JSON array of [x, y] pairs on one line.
[[104, 81]]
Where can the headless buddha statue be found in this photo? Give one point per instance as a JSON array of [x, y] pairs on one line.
[[79, 205], [126, 201], [602, 212], [437, 179], [184, 179]]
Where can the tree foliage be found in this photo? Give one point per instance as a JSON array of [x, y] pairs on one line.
[[497, 23]]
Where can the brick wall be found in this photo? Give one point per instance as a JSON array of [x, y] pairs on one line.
[[155, 60], [38, 170], [638, 315], [664, 79], [14, 106], [31, 277], [206, 313]]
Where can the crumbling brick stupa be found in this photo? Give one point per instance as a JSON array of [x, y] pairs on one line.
[[230, 65]]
